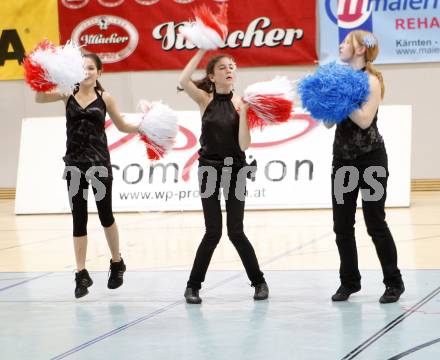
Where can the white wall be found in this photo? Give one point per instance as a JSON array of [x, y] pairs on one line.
[[414, 84]]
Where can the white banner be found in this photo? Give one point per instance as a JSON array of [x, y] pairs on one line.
[[294, 164]]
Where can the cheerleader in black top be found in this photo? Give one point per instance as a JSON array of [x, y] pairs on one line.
[[359, 144], [225, 136], [87, 160]]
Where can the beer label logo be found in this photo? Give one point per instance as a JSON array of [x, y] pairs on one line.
[[111, 37], [75, 4]]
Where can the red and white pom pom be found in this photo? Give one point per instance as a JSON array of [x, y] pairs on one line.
[[270, 102], [34, 74], [158, 128], [209, 30], [49, 66]]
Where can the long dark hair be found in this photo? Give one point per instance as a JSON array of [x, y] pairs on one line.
[[205, 83], [98, 64]]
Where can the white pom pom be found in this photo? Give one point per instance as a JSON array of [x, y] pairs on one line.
[[202, 36], [279, 86], [209, 30], [64, 67], [159, 128]]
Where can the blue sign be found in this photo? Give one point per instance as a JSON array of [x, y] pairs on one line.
[[408, 30]]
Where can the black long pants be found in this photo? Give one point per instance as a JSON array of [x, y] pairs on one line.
[[374, 215], [213, 224], [78, 186]]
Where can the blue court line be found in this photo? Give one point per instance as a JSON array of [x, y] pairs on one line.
[[174, 304], [355, 352], [117, 330], [25, 281], [414, 349]]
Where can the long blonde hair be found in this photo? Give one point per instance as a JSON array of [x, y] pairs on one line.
[[371, 52]]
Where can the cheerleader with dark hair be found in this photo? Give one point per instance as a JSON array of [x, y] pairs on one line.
[[87, 160], [225, 136]]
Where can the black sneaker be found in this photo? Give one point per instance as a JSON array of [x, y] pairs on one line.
[[261, 291], [392, 294], [344, 292], [83, 281], [192, 296], [116, 277]]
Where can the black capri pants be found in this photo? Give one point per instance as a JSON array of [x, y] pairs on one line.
[[78, 180]]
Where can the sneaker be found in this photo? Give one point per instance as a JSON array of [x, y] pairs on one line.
[[192, 296], [83, 281], [344, 292], [392, 294], [116, 277], [261, 291]]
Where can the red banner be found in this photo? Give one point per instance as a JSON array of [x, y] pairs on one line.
[[144, 34]]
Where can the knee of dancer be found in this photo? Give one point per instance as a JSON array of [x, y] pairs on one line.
[[79, 231], [213, 235], [378, 231], [107, 221], [344, 230], [237, 237], [79, 226]]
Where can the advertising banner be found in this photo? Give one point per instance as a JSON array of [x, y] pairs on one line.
[[144, 34], [408, 30], [23, 23], [293, 161]]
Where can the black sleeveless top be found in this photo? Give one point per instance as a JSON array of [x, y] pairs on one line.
[[352, 141], [86, 139], [219, 138]]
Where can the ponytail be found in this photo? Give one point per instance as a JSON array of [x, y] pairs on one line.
[[205, 84], [367, 39], [372, 70], [99, 87]]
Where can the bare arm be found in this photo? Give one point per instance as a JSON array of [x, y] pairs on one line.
[[364, 116], [116, 116], [199, 96], [244, 134], [41, 97]]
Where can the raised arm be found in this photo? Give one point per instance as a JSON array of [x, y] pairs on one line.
[[116, 116], [364, 116], [244, 134], [199, 96]]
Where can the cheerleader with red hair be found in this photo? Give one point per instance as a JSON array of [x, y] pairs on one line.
[[359, 146]]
